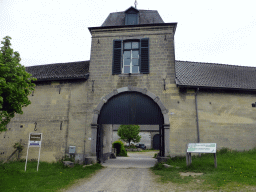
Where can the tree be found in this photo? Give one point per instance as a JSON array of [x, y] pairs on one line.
[[129, 133], [15, 84]]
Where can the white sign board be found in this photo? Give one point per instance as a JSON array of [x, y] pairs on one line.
[[34, 143], [201, 148], [35, 140]]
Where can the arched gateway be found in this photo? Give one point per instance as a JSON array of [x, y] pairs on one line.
[[130, 105]]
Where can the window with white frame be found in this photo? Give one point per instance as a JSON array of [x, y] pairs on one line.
[[131, 57]]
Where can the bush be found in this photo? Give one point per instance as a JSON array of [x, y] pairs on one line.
[[67, 158], [120, 151]]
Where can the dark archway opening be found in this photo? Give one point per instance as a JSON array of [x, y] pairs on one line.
[[129, 108]]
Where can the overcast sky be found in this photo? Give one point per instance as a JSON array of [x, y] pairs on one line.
[[56, 31]]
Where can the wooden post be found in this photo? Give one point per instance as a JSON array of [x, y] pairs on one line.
[[215, 160], [190, 159], [186, 154]]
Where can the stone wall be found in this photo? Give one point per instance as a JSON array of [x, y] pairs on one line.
[[57, 110], [225, 117]]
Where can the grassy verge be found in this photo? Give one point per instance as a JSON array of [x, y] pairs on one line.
[[50, 177], [235, 171]]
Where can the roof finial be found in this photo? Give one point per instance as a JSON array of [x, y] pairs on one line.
[[135, 3]]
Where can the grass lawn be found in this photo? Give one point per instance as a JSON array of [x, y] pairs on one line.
[[236, 171], [50, 176]]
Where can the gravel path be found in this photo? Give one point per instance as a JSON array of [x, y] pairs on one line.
[[131, 174], [124, 174]]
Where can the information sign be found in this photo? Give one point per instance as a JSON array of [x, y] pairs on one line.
[[201, 148], [34, 140]]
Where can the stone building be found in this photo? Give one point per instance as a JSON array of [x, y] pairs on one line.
[[133, 78]]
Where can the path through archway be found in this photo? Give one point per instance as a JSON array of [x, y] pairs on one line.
[[130, 105]]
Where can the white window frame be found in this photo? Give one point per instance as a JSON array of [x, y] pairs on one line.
[[131, 50]]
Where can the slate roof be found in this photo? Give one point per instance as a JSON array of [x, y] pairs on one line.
[[145, 17], [60, 71], [188, 74], [211, 75]]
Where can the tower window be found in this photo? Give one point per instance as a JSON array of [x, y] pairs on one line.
[[131, 19], [131, 57]]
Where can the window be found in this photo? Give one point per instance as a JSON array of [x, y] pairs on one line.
[[131, 19], [131, 56], [132, 16]]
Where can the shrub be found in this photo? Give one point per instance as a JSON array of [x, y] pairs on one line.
[[18, 146], [123, 153], [67, 158], [120, 151]]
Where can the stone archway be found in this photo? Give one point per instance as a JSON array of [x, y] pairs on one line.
[[147, 94]]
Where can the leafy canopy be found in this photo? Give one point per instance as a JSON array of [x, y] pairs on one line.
[[15, 84], [129, 133]]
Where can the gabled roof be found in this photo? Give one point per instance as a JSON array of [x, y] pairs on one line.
[[145, 17], [211, 75], [60, 71], [131, 10]]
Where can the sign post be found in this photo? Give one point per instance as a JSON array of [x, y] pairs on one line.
[[200, 148], [35, 140]]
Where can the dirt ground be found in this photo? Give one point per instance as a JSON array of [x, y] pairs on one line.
[[129, 174]]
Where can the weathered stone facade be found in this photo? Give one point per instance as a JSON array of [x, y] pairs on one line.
[[66, 111]]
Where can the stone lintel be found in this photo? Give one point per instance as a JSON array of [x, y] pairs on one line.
[[115, 91], [123, 89], [165, 111], [95, 118], [151, 95], [98, 108], [156, 99], [161, 105], [166, 119]]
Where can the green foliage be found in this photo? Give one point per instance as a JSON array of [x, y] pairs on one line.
[[50, 176], [67, 158], [15, 84], [120, 150], [18, 146], [234, 170], [129, 133]]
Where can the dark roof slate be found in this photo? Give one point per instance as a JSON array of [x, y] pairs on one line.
[[211, 75], [145, 17], [188, 74], [60, 71]]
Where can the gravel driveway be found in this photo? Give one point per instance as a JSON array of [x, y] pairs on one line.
[[130, 174], [123, 174]]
